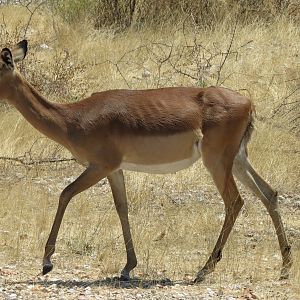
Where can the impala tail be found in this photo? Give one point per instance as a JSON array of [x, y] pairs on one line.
[[249, 130]]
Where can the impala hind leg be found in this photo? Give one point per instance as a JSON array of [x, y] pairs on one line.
[[245, 173], [88, 178], [218, 155], [233, 204], [116, 181]]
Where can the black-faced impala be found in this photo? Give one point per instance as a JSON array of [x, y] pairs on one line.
[[155, 131]]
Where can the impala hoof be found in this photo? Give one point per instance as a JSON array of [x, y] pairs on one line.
[[198, 279], [47, 268], [124, 278], [124, 275], [200, 276], [284, 275]]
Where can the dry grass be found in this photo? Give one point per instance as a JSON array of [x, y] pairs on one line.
[[124, 14], [176, 218]]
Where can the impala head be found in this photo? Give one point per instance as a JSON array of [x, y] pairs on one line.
[[8, 58]]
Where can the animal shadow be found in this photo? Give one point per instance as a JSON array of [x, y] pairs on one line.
[[113, 282]]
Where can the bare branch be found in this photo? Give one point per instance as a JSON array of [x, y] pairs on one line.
[[227, 52], [24, 161], [31, 11]]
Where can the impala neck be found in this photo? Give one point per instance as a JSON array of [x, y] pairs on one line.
[[45, 116]]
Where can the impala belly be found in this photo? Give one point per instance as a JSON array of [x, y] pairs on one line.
[[161, 154], [163, 168]]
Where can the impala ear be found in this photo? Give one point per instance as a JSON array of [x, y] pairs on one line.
[[6, 56], [19, 51], [17, 54]]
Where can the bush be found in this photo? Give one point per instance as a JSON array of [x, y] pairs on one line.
[[123, 14]]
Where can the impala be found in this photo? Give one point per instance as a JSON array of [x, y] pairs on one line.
[[155, 131]]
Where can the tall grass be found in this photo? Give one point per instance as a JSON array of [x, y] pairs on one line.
[[123, 14]]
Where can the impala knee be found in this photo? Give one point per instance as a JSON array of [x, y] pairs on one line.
[[272, 201], [274, 198], [66, 195]]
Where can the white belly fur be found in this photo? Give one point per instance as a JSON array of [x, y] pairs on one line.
[[167, 167], [188, 146]]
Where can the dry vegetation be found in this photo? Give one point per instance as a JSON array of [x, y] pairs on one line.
[[175, 219]]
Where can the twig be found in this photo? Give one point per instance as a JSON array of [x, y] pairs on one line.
[[31, 11], [283, 103], [265, 149], [24, 161], [227, 53]]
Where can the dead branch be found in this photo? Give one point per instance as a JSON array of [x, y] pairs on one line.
[[227, 52], [24, 160], [32, 11]]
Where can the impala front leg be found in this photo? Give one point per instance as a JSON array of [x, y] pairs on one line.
[[116, 181], [88, 178]]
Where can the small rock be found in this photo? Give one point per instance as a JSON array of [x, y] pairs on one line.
[[210, 292], [44, 46]]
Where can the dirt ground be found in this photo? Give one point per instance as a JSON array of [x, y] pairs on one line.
[[243, 275]]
